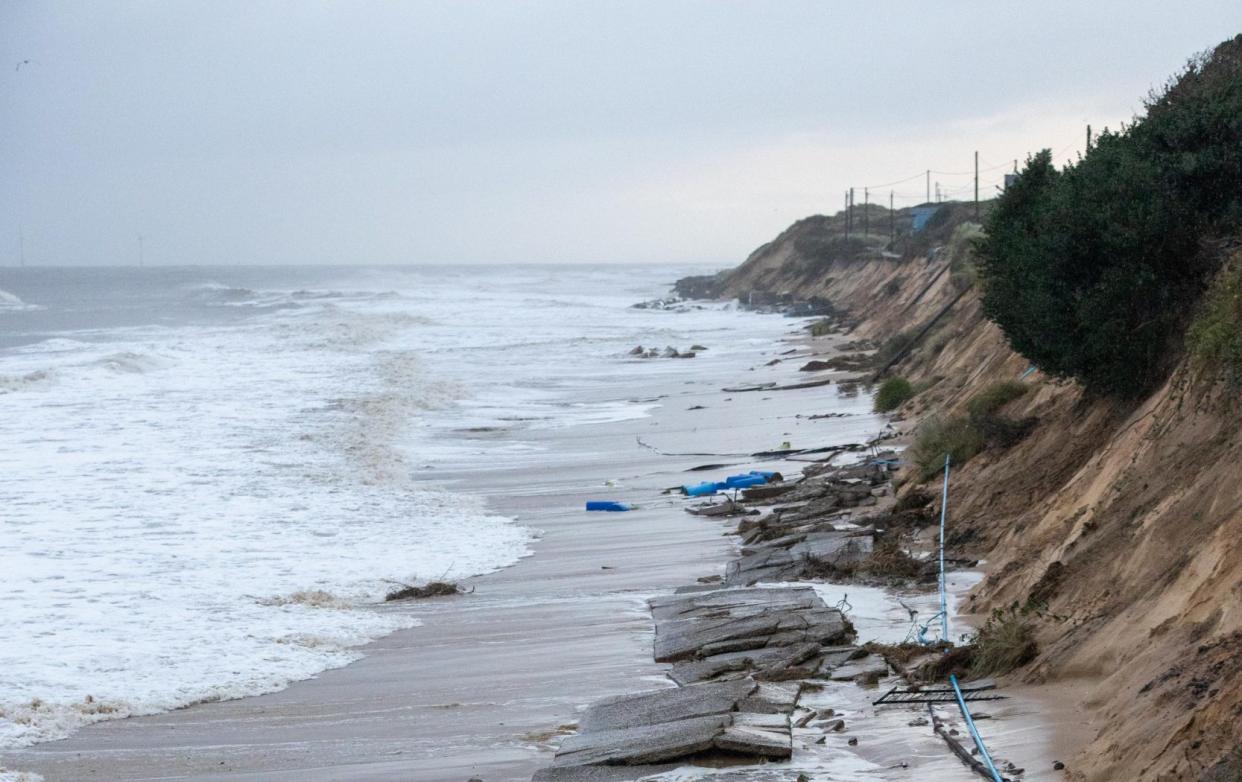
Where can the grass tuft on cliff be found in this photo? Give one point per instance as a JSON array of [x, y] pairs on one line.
[[1005, 642], [954, 435], [961, 253], [1215, 335], [994, 397]]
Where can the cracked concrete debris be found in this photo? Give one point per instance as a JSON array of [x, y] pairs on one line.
[[741, 716], [739, 655], [703, 624]]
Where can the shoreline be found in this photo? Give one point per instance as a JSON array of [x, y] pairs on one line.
[[548, 503], [1023, 730], [491, 681]]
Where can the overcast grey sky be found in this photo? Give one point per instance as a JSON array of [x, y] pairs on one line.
[[452, 132]]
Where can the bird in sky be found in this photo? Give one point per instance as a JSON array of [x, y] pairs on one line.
[[20, 64]]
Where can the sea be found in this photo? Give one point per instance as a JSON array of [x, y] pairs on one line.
[[211, 476]]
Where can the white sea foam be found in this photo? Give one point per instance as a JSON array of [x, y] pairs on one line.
[[29, 381], [128, 361], [163, 494]]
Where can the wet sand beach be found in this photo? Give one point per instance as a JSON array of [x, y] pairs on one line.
[[489, 682]]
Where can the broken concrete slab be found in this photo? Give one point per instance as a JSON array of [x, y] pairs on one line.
[[682, 638], [767, 492], [871, 665], [704, 624], [796, 556], [772, 698], [668, 705], [741, 662], [758, 739], [720, 509], [838, 547], [642, 745], [649, 728]]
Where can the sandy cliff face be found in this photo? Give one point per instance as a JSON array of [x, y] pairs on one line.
[[1124, 518]]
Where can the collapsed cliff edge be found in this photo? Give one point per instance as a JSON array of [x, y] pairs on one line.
[[1076, 345]]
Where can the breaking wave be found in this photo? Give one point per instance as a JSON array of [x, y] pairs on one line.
[[128, 362], [213, 294], [10, 302]]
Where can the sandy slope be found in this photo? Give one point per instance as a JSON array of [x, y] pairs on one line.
[[1130, 513]]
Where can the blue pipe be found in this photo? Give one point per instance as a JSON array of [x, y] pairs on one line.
[[974, 732], [944, 509]]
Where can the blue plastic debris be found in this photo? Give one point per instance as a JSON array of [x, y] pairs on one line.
[[742, 481], [702, 489], [608, 505]]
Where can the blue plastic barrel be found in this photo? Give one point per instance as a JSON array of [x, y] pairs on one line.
[[702, 489], [608, 505], [743, 481]]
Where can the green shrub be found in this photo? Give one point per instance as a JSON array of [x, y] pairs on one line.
[[1005, 642], [892, 394], [994, 397], [954, 436], [1215, 335], [1090, 270]]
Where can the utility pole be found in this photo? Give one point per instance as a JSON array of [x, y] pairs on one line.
[[849, 216], [866, 212], [892, 220], [846, 212], [977, 184], [929, 185]]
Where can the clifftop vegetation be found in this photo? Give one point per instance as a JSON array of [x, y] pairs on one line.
[[1091, 271]]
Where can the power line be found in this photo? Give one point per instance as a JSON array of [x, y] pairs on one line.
[[898, 182], [927, 173]]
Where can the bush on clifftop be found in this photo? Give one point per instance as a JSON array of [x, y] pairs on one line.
[[1091, 270]]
